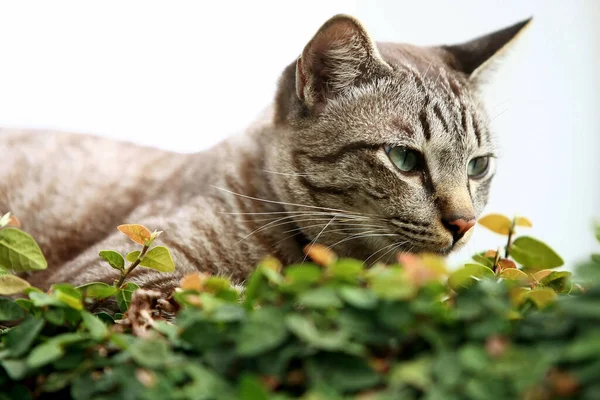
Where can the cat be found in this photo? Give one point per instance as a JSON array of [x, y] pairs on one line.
[[369, 148]]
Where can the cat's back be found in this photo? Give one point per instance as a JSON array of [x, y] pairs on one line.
[[69, 189]]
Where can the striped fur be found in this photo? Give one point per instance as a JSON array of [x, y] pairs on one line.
[[313, 169]]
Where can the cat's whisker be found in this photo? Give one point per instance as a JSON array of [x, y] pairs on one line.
[[286, 173], [396, 247], [339, 230], [383, 248], [322, 216], [361, 235], [291, 204], [497, 115], [276, 223], [317, 238]]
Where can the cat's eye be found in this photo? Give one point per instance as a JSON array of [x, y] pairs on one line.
[[478, 167], [405, 160]]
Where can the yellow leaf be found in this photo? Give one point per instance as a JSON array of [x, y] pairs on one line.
[[194, 281], [490, 253], [497, 223], [138, 233], [320, 254], [522, 221], [513, 274], [539, 275], [518, 295], [11, 284], [542, 296]]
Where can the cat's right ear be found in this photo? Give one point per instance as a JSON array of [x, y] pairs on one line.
[[476, 57], [338, 56]]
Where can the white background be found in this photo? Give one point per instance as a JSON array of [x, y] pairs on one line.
[[184, 75]]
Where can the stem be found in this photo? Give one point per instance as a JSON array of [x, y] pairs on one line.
[[132, 266], [510, 235]]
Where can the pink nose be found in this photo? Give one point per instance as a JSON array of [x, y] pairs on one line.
[[458, 226], [461, 226]]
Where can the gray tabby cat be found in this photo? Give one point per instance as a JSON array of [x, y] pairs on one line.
[[370, 148]]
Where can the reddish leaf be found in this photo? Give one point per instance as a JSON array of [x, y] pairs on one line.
[[496, 345], [320, 254], [505, 263], [422, 269], [194, 281], [138, 233], [490, 253], [14, 222]]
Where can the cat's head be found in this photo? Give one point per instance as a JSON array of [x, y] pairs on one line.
[[384, 147]]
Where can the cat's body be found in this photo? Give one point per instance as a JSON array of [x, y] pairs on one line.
[[329, 164]]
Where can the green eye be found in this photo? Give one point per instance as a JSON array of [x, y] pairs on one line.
[[478, 166], [406, 160]]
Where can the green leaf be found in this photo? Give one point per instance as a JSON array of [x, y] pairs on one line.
[[19, 339], [467, 275], [158, 258], [113, 259], [346, 269], [131, 257], [16, 369], [513, 274], [25, 304], [391, 284], [55, 316], [10, 311], [496, 223], [11, 284], [98, 290], [415, 373], [250, 388], [305, 329], [597, 231], [558, 280], [542, 297], [586, 346], [534, 254], [342, 373], [151, 353], [481, 259], [19, 251], [97, 329], [45, 353], [358, 297], [263, 330], [124, 295], [4, 220], [43, 299], [69, 295], [298, 277], [322, 297]]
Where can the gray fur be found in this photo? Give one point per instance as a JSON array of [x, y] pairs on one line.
[[313, 169]]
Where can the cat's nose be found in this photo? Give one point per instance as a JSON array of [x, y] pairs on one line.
[[458, 226]]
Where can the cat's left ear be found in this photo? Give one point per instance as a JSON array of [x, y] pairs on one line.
[[476, 56], [340, 55]]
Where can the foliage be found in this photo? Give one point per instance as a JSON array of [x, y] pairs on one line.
[[505, 326]]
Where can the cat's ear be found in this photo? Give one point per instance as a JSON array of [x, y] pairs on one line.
[[476, 56], [338, 56]]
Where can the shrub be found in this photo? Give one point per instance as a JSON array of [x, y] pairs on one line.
[[505, 326]]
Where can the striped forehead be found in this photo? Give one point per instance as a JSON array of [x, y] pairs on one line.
[[449, 117]]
